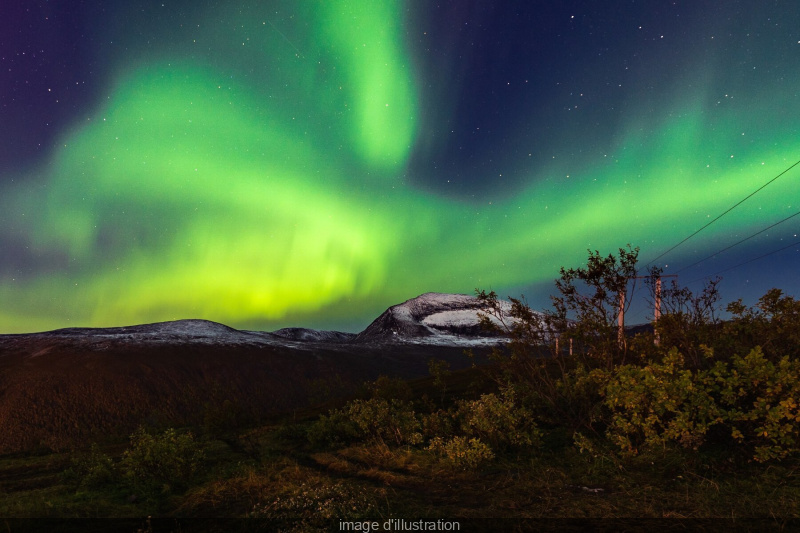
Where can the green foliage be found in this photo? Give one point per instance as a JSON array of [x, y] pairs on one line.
[[388, 422], [312, 507], [334, 429], [659, 403], [760, 398], [499, 421], [463, 452], [689, 321], [440, 370], [91, 470], [439, 423], [589, 303], [163, 461], [390, 389], [773, 323], [697, 380], [753, 401]]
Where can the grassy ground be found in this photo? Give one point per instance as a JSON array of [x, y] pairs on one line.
[[272, 473]]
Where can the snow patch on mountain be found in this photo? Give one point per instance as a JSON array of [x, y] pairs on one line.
[[314, 335], [191, 331], [433, 318], [429, 319]]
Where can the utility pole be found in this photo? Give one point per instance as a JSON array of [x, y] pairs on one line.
[[621, 319], [657, 311], [657, 305]]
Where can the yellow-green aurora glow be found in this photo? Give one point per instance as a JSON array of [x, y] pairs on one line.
[[190, 192]]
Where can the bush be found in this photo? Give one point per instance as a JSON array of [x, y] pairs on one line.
[[659, 403], [387, 422], [390, 389], [752, 401], [313, 507], [462, 452], [499, 421], [760, 399], [439, 423], [94, 469], [694, 380], [167, 461], [333, 429]]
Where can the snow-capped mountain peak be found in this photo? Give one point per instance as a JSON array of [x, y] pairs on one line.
[[432, 318]]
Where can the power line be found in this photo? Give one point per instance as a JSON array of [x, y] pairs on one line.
[[746, 262], [737, 204], [738, 243]]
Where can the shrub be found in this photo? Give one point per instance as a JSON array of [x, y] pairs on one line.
[[760, 398], [439, 423], [773, 323], [333, 429], [440, 370], [753, 401], [694, 380], [659, 403], [388, 422], [166, 461], [94, 469], [499, 421], [463, 452], [313, 507]]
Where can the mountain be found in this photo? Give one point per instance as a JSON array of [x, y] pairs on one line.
[[313, 335], [70, 386], [432, 318]]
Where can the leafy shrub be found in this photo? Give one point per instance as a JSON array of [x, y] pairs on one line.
[[167, 460], [760, 399], [440, 370], [773, 323], [463, 452], [752, 400], [692, 381], [499, 421], [94, 469], [659, 403], [313, 507], [388, 422], [333, 429], [439, 423]]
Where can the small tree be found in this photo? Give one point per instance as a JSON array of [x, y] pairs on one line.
[[564, 386], [589, 304], [688, 321], [440, 370], [162, 461], [773, 323]]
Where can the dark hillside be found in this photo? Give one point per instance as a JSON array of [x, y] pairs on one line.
[[56, 392]]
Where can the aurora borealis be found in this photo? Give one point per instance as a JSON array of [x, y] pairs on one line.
[[265, 164]]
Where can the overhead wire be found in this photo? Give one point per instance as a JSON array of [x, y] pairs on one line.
[[796, 243], [734, 206], [738, 242]]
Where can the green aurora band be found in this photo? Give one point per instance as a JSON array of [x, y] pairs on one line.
[[193, 194]]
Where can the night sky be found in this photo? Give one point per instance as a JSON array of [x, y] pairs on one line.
[[275, 163]]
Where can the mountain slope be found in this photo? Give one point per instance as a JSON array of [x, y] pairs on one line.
[[431, 318], [70, 386]]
